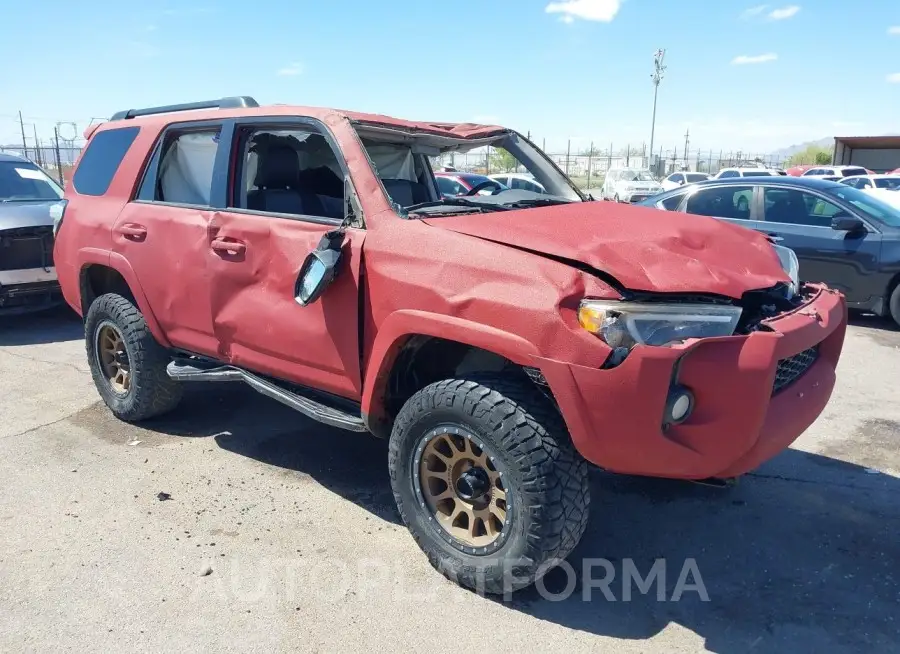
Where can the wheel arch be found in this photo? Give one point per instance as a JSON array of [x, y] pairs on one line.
[[443, 343], [116, 275]]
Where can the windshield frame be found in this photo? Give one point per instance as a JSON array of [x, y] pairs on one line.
[[870, 207], [427, 146], [28, 165]]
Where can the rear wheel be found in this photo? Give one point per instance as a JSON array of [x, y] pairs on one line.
[[127, 364], [487, 481]]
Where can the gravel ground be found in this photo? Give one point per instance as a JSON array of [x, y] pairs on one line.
[[281, 535]]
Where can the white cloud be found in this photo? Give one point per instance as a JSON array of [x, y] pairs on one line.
[[752, 12], [291, 70], [784, 13], [599, 10], [568, 19], [894, 31], [755, 59], [894, 78]]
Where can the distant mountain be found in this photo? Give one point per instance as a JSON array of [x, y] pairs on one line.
[[791, 150]]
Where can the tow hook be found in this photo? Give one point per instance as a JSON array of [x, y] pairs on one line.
[[716, 482]]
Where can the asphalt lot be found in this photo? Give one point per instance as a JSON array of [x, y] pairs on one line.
[[297, 525]]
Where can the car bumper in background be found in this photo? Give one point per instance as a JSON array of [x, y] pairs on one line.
[[23, 291], [753, 396]]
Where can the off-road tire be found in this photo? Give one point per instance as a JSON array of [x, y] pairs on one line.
[[545, 479], [152, 392], [894, 305]]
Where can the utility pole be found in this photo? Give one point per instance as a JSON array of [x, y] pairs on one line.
[[37, 149], [24, 143], [687, 142], [659, 71]]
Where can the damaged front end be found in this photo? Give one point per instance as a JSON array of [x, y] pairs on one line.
[[27, 276]]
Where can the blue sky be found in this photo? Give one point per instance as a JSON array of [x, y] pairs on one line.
[[740, 74]]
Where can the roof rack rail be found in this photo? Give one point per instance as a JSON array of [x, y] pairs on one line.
[[235, 102]]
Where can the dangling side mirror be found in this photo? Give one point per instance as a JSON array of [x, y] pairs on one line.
[[319, 269]]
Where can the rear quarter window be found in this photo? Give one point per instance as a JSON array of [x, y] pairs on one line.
[[101, 160]]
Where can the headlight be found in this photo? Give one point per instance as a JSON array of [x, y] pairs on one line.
[[626, 324], [790, 265]]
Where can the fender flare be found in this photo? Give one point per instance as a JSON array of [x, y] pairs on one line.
[[401, 325], [92, 256]]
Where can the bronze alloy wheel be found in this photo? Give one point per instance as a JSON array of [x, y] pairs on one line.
[[462, 488], [112, 356]]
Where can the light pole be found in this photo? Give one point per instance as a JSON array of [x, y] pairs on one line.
[[659, 71]]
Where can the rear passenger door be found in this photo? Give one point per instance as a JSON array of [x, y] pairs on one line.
[[284, 190], [163, 232]]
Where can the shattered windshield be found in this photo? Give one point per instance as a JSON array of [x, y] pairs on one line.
[[415, 171]]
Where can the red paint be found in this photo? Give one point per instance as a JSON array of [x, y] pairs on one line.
[[507, 282], [797, 171]]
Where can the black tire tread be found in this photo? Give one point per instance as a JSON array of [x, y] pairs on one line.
[[531, 430], [155, 393]]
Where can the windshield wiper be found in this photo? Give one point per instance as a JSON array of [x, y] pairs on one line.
[[456, 202], [536, 202], [29, 200]]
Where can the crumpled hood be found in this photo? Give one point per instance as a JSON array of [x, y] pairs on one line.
[[645, 249], [25, 214]]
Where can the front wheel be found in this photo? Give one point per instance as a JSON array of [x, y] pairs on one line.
[[487, 481], [127, 364]]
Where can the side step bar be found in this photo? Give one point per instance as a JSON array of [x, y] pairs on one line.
[[310, 408]]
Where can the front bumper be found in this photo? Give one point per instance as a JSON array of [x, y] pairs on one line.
[[615, 416], [637, 196]]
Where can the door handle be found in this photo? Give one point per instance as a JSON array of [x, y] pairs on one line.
[[133, 231], [224, 246], [775, 237]]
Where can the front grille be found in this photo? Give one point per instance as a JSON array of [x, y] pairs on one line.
[[26, 247], [791, 369]]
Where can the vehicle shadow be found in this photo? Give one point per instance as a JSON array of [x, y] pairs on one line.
[[51, 326], [859, 319], [242, 421], [800, 556]]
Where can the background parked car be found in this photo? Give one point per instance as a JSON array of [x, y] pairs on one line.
[[842, 236], [27, 199], [863, 182], [725, 173], [797, 171], [525, 181], [629, 185], [835, 173], [456, 184], [681, 178]]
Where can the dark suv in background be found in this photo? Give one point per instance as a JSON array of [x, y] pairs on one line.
[[28, 200], [843, 237]]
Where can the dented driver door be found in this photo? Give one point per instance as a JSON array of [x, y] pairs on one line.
[[255, 249]]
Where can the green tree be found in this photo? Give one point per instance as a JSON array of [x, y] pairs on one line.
[[502, 161], [814, 154]]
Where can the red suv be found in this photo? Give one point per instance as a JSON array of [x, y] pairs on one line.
[[500, 342]]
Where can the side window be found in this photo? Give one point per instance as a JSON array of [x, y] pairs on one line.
[[101, 160], [678, 178], [671, 204], [727, 202], [799, 208], [288, 171], [185, 171], [516, 183], [729, 173], [531, 186], [864, 183]]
